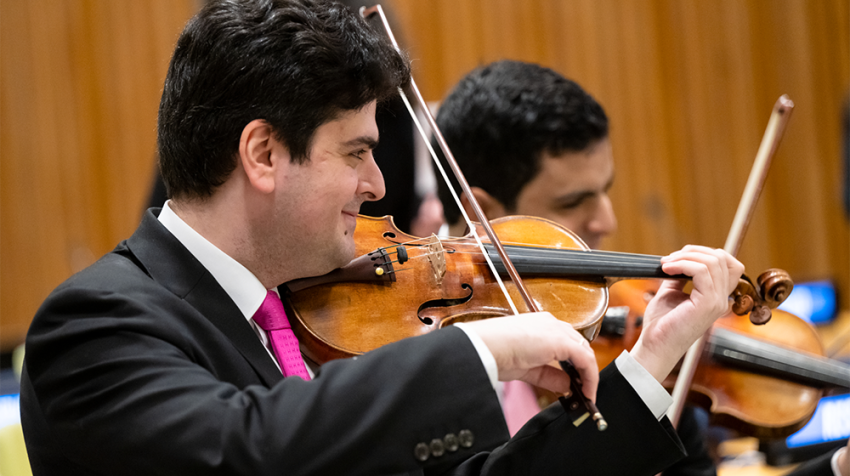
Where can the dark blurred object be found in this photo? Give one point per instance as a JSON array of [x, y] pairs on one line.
[[395, 157], [777, 453], [158, 194]]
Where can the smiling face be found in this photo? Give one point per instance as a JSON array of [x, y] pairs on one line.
[[318, 204], [572, 189]]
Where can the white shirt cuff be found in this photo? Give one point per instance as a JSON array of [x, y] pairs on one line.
[[654, 396], [834, 462], [484, 354]]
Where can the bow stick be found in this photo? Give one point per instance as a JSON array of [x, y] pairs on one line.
[[769, 143], [479, 213]]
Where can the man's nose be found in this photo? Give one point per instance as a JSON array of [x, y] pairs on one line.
[[371, 185], [604, 221]]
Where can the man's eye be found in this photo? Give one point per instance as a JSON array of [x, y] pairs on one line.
[[359, 153], [572, 205]]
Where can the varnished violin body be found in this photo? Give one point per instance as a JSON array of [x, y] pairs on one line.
[[353, 311]]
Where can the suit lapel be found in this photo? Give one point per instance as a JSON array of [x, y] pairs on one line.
[[170, 264]]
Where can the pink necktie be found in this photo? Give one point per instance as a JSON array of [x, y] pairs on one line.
[[519, 404], [272, 318]]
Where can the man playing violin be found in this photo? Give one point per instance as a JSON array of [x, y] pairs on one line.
[[171, 354], [535, 143]]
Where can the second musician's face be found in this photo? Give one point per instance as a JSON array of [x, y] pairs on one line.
[[572, 190]]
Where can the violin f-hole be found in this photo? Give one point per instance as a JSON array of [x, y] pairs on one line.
[[443, 303]]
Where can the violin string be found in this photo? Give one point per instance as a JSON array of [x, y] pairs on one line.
[[575, 256], [561, 256], [394, 271], [519, 247]]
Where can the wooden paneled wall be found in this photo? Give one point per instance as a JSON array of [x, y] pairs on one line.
[[688, 86], [81, 82]]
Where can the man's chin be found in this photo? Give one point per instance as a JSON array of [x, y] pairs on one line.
[[346, 252]]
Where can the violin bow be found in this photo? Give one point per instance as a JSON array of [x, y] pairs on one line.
[[366, 13], [746, 207]]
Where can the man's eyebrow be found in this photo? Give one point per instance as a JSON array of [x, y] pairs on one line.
[[368, 141]]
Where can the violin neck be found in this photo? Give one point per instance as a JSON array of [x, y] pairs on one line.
[[745, 352], [591, 265]]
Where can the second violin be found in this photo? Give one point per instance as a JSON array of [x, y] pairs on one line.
[[763, 381]]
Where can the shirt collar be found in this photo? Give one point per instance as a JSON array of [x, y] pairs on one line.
[[246, 291]]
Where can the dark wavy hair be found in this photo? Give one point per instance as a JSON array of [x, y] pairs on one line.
[[296, 64], [500, 119]]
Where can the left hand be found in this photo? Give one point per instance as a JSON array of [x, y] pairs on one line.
[[674, 320]]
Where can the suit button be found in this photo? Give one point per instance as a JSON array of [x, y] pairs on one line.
[[466, 438], [437, 448], [421, 451], [451, 442]]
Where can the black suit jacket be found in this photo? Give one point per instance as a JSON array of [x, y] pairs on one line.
[[141, 364]]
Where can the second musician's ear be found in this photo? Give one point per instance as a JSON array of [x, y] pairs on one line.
[[491, 207]]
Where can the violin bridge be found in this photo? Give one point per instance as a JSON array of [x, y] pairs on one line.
[[437, 258]]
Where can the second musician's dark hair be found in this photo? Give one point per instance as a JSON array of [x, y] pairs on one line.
[[501, 118], [296, 64]]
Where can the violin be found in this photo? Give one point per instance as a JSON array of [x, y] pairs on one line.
[[403, 286], [742, 367]]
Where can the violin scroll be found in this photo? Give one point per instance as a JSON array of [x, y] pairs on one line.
[[771, 288]]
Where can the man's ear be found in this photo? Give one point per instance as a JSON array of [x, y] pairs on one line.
[[259, 154], [491, 207]]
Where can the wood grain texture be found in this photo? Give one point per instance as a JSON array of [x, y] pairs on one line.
[[81, 82]]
